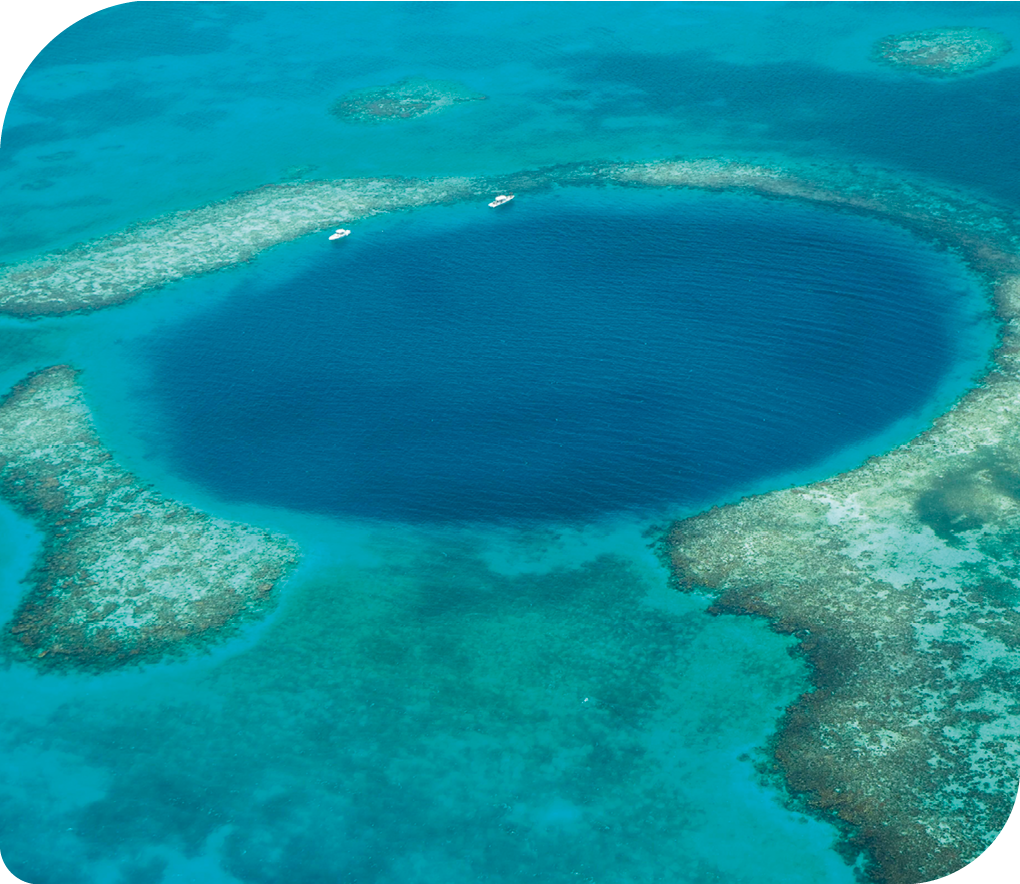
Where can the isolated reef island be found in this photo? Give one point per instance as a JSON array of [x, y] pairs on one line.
[[900, 578], [404, 100], [124, 574], [942, 52]]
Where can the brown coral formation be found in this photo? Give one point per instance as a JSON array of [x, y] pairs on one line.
[[407, 99], [942, 52], [901, 581], [124, 573]]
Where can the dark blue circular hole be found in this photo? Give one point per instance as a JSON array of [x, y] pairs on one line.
[[566, 356]]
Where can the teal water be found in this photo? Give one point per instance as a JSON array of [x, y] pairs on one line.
[[143, 109], [489, 700]]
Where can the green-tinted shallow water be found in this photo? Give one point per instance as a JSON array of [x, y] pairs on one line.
[[444, 707]]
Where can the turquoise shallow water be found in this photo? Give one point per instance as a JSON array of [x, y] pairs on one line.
[[457, 702], [459, 707]]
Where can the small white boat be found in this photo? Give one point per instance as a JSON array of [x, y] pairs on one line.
[[502, 198], [340, 233]]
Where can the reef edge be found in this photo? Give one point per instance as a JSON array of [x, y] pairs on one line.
[[124, 574]]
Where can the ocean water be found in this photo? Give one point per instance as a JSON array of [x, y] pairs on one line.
[[475, 423], [578, 354]]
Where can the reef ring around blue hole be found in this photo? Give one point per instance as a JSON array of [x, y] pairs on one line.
[[581, 353]]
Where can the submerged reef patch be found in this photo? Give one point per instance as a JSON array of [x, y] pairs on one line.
[[407, 99], [115, 268], [901, 579], [942, 52], [149, 255], [124, 574]]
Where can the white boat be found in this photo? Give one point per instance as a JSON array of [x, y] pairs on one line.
[[502, 198], [340, 233]]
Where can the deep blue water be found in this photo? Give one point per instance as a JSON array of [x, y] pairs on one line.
[[567, 356]]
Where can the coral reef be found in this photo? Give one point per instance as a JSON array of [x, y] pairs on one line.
[[942, 52], [124, 574], [899, 578], [407, 99], [149, 255]]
